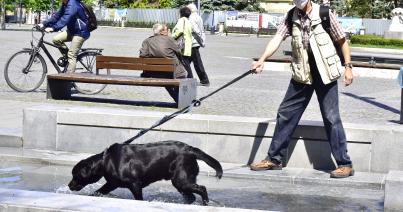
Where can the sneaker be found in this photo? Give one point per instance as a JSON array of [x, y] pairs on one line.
[[265, 165], [342, 172]]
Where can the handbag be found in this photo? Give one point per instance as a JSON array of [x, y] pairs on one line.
[[180, 40], [198, 39]]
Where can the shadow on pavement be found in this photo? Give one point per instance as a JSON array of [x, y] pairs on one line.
[[372, 102], [124, 102]]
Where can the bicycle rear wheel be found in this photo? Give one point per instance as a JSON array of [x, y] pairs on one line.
[[22, 76], [86, 64]]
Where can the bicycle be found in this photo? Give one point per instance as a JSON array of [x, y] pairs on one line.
[[25, 71]]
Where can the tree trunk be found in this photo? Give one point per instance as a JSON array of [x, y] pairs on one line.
[[2, 15]]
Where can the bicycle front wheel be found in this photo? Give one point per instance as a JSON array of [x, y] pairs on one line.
[[86, 64], [22, 76]]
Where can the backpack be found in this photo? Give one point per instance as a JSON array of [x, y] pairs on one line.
[[91, 18], [325, 17]]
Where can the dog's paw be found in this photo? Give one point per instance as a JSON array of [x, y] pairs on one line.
[[189, 198], [96, 194], [205, 202]]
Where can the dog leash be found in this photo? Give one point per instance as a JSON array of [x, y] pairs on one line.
[[195, 103]]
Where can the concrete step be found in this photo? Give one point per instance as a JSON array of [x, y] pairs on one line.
[[301, 176], [10, 137]]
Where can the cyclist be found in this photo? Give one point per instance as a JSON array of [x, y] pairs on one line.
[[72, 15]]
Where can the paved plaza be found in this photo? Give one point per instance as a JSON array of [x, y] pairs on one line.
[[369, 100]]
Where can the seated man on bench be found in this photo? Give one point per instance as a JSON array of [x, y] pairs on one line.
[[162, 45]]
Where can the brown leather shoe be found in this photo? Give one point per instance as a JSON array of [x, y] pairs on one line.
[[265, 165], [342, 172]]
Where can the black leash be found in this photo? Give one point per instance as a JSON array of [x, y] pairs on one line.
[[195, 103]]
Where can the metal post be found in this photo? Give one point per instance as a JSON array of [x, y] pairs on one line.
[[401, 97], [20, 12], [198, 7], [401, 106]]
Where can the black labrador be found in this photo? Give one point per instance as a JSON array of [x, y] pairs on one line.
[[135, 166]]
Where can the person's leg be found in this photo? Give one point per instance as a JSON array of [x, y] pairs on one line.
[[186, 63], [291, 109], [75, 47], [329, 106], [173, 92], [328, 99], [60, 39], [199, 67]]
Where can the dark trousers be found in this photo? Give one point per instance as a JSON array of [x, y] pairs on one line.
[[291, 109], [186, 61], [197, 64]]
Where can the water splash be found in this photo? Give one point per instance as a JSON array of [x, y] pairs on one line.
[[13, 179]]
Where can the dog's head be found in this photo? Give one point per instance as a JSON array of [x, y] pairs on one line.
[[86, 172]]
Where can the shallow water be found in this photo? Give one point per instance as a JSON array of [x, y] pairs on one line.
[[227, 192]]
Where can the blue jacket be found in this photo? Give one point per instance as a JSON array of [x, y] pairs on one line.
[[73, 16]]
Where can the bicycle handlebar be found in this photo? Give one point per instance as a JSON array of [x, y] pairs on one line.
[[38, 28]]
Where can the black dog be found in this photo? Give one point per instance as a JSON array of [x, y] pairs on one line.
[[135, 166]]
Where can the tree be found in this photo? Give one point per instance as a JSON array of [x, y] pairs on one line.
[[339, 6], [371, 8], [210, 5]]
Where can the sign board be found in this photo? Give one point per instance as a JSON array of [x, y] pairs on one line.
[[242, 19], [351, 25]]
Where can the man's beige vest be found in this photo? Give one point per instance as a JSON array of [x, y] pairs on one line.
[[327, 60]]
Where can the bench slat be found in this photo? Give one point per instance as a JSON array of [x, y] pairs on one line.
[[135, 66], [114, 79], [151, 61]]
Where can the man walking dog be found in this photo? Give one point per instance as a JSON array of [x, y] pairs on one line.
[[315, 67]]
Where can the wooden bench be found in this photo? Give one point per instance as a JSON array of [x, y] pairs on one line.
[[60, 85]]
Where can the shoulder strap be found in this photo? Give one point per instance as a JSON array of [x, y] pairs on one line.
[[325, 17], [290, 14]]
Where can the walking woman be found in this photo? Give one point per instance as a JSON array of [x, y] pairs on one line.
[[183, 31]]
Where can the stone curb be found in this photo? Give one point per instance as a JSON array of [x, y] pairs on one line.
[[21, 200]]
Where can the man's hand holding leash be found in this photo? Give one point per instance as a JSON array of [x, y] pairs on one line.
[[257, 67]]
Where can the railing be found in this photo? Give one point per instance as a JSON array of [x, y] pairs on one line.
[[367, 60], [251, 30]]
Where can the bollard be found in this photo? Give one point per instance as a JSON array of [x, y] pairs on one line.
[[400, 79]]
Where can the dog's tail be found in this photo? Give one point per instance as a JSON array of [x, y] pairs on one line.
[[213, 163]]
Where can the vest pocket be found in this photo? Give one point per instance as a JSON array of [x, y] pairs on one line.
[[298, 73], [333, 67]]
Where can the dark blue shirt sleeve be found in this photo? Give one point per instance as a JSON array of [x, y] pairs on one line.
[[54, 18], [69, 12]]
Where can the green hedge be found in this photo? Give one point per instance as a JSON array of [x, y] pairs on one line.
[[375, 40]]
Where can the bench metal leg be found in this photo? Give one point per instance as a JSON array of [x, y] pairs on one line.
[[58, 89], [187, 92]]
